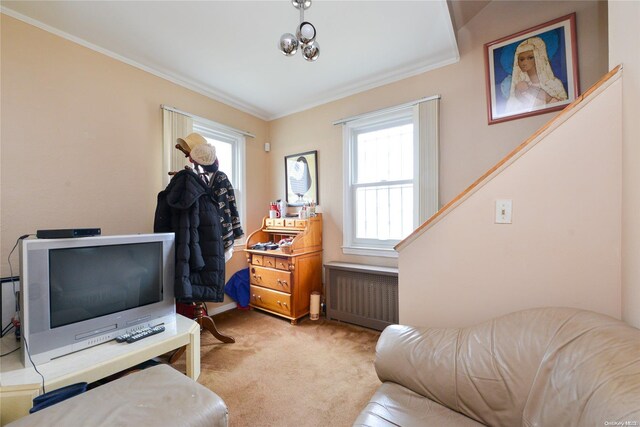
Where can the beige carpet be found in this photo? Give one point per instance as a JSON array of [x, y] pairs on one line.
[[317, 373]]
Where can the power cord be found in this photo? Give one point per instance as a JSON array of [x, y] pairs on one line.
[[26, 346], [7, 328], [13, 278], [9, 352], [24, 339]]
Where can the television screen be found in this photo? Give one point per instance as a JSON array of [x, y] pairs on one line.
[[89, 282]]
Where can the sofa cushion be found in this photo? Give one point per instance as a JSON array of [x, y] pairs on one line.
[[394, 405]]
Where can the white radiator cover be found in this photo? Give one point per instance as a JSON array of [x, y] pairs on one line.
[[361, 294]]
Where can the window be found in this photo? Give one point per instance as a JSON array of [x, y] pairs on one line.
[[390, 175], [230, 151]]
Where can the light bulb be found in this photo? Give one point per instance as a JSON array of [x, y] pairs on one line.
[[306, 32]]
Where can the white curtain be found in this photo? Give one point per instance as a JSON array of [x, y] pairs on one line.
[[174, 126], [427, 116]]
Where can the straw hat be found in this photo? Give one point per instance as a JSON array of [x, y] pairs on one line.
[[192, 140]]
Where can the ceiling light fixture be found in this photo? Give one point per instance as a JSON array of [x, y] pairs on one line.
[[305, 36]]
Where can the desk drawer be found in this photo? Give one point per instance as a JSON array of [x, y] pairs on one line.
[[279, 302], [269, 261], [283, 264], [273, 279], [257, 259], [289, 222]]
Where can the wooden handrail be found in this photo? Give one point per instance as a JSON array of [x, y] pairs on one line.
[[509, 158]]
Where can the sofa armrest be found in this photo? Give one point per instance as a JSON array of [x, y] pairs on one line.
[[420, 359], [484, 371]]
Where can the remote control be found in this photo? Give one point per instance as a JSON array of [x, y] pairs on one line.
[[123, 337], [127, 335], [145, 333]]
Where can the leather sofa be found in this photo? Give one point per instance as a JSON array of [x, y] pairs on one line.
[[540, 367]]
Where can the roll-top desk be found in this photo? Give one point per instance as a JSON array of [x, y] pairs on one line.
[[281, 282]]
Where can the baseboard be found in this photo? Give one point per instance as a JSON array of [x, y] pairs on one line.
[[221, 309]]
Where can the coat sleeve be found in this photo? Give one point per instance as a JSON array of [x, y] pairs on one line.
[[162, 219], [225, 197]]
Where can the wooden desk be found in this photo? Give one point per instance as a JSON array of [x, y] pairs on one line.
[[281, 282], [20, 384]]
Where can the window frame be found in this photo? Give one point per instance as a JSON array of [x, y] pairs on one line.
[[213, 130], [425, 182]]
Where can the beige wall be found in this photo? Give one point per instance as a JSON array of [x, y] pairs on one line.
[[468, 146], [82, 139], [624, 41], [65, 164], [562, 249]]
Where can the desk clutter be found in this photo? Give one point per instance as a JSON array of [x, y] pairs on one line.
[[278, 209], [267, 246]]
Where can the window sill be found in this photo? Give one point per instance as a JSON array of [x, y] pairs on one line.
[[369, 251]]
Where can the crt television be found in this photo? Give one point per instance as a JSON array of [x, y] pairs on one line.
[[80, 292]]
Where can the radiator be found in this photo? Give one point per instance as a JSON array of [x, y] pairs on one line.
[[361, 294]]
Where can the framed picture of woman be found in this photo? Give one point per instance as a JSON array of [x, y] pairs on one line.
[[532, 72], [301, 178]]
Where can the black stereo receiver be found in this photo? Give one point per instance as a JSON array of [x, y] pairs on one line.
[[67, 232]]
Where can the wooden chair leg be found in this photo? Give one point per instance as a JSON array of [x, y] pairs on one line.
[[208, 324]]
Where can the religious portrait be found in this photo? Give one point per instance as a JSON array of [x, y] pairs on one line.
[[532, 72]]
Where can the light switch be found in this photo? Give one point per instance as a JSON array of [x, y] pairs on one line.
[[503, 211]]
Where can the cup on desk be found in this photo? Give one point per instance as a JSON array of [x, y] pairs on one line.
[[274, 214]]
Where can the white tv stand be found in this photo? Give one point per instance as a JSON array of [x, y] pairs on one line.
[[19, 384]]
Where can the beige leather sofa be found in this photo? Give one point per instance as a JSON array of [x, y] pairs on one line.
[[545, 367]]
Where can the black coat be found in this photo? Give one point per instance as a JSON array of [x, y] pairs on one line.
[[187, 208]]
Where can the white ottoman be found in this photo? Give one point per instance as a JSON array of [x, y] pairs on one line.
[[156, 396]]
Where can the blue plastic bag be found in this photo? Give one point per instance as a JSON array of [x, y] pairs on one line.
[[238, 287]]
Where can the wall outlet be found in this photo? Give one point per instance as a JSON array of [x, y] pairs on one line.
[[503, 211]]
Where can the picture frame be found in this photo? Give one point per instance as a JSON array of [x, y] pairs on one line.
[[547, 53], [301, 178]]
